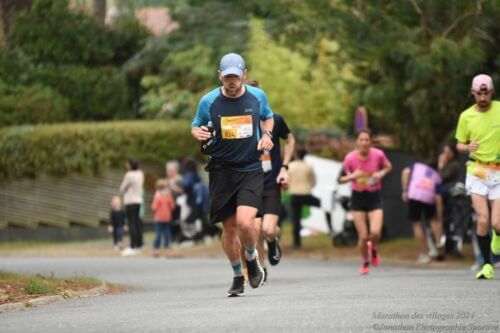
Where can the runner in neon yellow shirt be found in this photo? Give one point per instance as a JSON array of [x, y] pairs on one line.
[[478, 133]]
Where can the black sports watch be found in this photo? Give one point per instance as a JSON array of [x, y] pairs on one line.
[[270, 133], [285, 166]]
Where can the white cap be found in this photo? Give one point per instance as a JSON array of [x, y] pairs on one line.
[[482, 82]]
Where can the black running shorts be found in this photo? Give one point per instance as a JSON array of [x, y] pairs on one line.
[[271, 199], [366, 201], [230, 189], [418, 211]]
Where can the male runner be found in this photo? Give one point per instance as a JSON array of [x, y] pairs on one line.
[[478, 133], [275, 175], [236, 179]]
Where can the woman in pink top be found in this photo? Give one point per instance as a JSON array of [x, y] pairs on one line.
[[364, 168], [163, 206]]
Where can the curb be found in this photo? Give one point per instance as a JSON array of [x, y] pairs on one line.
[[44, 300]]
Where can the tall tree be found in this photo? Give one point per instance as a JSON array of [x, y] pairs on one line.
[[99, 10]]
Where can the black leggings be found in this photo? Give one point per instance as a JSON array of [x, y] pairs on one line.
[[134, 225], [297, 202]]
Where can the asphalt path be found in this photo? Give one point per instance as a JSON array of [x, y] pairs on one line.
[[189, 295]]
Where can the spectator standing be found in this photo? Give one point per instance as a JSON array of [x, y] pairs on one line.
[[117, 221], [175, 184], [163, 207], [301, 182], [132, 189]]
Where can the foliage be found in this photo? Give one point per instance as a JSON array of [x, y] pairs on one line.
[[70, 52], [127, 37], [94, 93], [415, 61], [89, 147], [167, 97], [305, 92], [50, 32], [31, 105]]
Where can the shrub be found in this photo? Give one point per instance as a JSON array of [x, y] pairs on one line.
[[89, 147], [50, 32], [94, 93], [31, 105]]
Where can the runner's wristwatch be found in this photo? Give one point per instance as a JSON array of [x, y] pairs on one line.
[[270, 133]]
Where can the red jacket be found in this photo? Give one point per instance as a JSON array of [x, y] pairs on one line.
[[163, 206]]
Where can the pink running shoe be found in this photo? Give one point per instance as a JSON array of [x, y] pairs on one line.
[[365, 268], [375, 258]]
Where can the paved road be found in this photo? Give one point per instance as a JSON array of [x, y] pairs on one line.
[[186, 295]]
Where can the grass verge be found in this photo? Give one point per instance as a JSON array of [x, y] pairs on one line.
[[21, 288]]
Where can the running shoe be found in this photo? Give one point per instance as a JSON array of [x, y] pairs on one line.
[[441, 251], [423, 259], [375, 258], [365, 268], [486, 272], [495, 243], [238, 286], [255, 273], [274, 253]]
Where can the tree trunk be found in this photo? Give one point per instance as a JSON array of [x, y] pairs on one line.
[[99, 10], [9, 8]]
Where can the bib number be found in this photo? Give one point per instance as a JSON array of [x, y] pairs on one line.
[[236, 127]]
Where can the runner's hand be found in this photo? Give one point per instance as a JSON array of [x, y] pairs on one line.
[[201, 133], [283, 177], [379, 175], [265, 143], [473, 146], [110, 229], [356, 174]]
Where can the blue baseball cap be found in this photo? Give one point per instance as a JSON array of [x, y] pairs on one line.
[[232, 63]]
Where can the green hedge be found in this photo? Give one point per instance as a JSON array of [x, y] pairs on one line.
[[89, 147]]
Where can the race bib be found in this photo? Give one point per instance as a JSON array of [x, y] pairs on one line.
[[484, 172], [266, 161], [366, 180], [236, 127]]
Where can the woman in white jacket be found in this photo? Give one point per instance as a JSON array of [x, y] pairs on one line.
[[132, 189]]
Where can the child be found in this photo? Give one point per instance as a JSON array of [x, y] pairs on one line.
[[163, 206], [117, 221]]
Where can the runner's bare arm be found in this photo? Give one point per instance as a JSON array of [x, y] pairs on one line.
[[467, 147], [289, 148], [350, 177], [266, 141], [405, 179], [384, 171]]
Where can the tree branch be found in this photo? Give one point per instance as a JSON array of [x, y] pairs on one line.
[[416, 6], [462, 17]]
